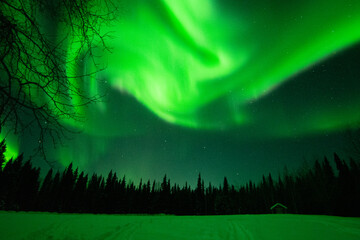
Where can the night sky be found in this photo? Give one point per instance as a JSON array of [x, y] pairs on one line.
[[224, 88]]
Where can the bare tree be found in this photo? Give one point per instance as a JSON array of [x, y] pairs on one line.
[[37, 86]]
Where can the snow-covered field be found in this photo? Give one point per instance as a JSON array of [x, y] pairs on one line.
[[75, 226]]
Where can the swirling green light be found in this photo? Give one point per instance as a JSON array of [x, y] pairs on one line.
[[202, 64], [179, 58]]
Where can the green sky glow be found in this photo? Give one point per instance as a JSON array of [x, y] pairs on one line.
[[12, 146], [181, 73], [179, 58]]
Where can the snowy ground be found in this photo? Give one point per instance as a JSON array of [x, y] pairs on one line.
[[74, 226]]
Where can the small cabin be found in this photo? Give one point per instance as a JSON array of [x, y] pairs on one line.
[[278, 208]]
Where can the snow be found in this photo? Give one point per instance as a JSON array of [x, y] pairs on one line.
[[157, 227]]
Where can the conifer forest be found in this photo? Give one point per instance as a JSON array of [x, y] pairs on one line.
[[320, 189]]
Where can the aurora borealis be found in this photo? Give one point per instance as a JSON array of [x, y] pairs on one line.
[[230, 88]]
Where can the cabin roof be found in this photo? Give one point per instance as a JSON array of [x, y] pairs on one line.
[[278, 205]]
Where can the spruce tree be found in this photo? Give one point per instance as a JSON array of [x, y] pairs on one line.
[[45, 192], [2, 180]]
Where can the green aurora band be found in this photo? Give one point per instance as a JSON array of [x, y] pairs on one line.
[[203, 64], [179, 58]]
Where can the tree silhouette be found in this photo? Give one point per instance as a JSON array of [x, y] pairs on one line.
[[45, 192], [2, 153], [222, 200], [28, 186], [313, 190], [2, 162], [79, 196], [200, 196], [355, 183], [35, 78], [66, 187], [54, 203], [93, 194], [164, 198]]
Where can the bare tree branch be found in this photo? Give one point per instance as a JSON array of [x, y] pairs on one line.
[[36, 88]]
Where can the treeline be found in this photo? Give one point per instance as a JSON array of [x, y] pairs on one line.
[[316, 190]]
